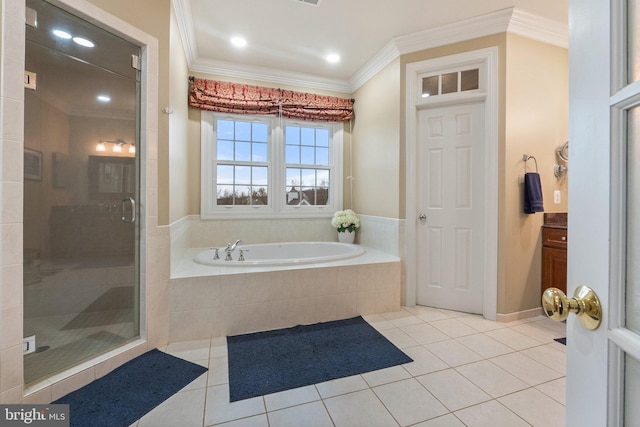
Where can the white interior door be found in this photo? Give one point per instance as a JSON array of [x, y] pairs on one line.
[[603, 368], [450, 233]]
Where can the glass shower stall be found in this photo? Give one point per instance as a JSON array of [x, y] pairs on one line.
[[81, 183]]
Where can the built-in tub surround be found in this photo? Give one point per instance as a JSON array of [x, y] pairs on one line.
[[211, 301]]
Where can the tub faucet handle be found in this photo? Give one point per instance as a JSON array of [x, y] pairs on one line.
[[242, 251], [216, 256]]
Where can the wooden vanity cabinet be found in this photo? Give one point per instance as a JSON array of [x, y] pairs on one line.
[[554, 258]]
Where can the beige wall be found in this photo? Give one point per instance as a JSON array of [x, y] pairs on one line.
[[537, 114], [376, 145], [179, 142]]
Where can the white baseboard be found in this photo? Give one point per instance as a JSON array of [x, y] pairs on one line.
[[519, 315]]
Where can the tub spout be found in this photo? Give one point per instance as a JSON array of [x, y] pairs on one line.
[[230, 248]]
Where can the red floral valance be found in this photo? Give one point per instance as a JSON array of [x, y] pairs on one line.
[[226, 97]]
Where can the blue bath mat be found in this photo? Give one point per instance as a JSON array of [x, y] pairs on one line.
[[267, 362], [130, 391]]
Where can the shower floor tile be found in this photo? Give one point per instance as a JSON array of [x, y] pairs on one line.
[[438, 389]]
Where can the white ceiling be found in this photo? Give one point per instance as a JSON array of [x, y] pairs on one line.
[[288, 39]]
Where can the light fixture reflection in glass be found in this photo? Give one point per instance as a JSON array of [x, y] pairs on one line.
[[117, 148], [132, 149], [103, 98], [83, 42], [101, 147], [61, 34]]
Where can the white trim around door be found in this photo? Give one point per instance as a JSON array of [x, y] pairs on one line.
[[487, 61]]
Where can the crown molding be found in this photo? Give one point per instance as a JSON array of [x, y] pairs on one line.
[[182, 10], [534, 27], [380, 60], [509, 20]]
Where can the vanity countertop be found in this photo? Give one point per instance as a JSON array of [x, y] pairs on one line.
[[555, 220]]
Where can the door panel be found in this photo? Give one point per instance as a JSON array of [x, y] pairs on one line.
[[450, 184], [602, 365]]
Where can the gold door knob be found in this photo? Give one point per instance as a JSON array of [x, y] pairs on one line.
[[585, 304]]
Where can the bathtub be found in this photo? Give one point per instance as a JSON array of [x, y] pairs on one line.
[[282, 254]]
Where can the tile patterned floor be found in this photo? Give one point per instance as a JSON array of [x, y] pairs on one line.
[[467, 371]]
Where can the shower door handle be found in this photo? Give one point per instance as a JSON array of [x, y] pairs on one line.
[[132, 218]]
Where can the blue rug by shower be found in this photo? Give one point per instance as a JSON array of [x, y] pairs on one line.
[[268, 362], [130, 391]]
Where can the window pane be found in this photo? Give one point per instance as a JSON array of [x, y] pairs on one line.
[[243, 175], [243, 151], [322, 156], [323, 178], [292, 135], [308, 136], [308, 156], [429, 86], [633, 35], [631, 390], [259, 152], [469, 79], [633, 213], [322, 137], [308, 196], [259, 196], [225, 129], [293, 154], [308, 177], [225, 150], [243, 131], [225, 174], [242, 195], [260, 132], [450, 83], [293, 177], [259, 175], [225, 195]]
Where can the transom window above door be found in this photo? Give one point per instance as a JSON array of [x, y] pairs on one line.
[[451, 82]]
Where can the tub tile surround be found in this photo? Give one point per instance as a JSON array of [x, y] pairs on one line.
[[207, 301], [230, 304]]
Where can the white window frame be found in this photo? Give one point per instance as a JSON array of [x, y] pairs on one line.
[[276, 207]]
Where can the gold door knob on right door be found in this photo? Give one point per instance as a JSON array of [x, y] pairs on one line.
[[585, 304]]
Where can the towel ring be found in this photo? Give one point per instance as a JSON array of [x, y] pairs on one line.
[[526, 157]]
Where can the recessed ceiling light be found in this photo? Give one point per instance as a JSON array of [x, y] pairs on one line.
[[333, 58], [238, 41], [83, 42], [61, 34], [103, 98]]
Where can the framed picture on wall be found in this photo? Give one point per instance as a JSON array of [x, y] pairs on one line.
[[32, 164]]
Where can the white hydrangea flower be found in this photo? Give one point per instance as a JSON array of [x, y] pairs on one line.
[[346, 220]]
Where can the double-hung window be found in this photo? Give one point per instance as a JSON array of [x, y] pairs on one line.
[[261, 166]]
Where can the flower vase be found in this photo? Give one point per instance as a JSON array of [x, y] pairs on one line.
[[346, 236]]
